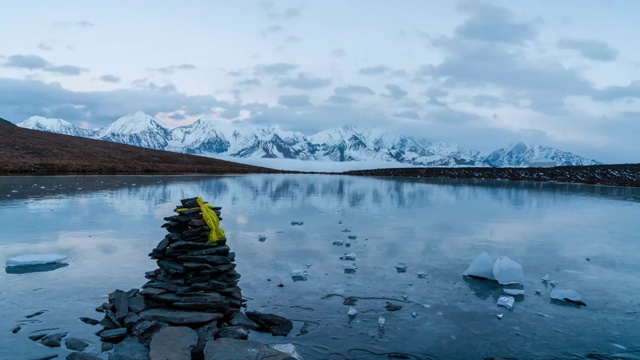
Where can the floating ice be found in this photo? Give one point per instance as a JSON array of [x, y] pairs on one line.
[[381, 321], [414, 314], [347, 244], [338, 242], [262, 238], [350, 267], [500, 316], [35, 259], [299, 275], [348, 256], [346, 230], [507, 271], [546, 278], [401, 267], [506, 301], [421, 274], [481, 267], [513, 292], [298, 223], [568, 295], [352, 311], [352, 237]]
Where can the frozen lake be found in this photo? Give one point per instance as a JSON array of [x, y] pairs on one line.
[[586, 238]]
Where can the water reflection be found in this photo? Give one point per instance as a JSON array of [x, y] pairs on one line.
[[107, 226]]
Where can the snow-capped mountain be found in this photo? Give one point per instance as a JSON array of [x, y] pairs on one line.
[[210, 137], [521, 153], [138, 129], [57, 126]]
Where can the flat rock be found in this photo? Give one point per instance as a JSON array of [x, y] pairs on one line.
[[179, 317], [137, 304], [114, 335], [130, 349], [274, 324], [205, 333], [209, 259], [53, 340], [173, 343], [233, 332], [146, 329], [241, 350], [89, 321], [243, 320], [74, 344], [47, 357], [121, 303], [130, 320], [81, 356]]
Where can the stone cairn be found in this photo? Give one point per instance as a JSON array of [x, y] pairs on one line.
[[193, 296]]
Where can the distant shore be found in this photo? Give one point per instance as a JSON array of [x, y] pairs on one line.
[[627, 175]]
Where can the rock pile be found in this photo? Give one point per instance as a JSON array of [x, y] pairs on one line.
[[192, 297]]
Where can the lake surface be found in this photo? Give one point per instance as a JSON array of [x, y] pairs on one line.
[[586, 238]]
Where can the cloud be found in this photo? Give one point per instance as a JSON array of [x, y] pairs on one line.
[[374, 70], [70, 24], [273, 29], [177, 116], [249, 82], [339, 53], [492, 24], [340, 100], [409, 114], [590, 49], [614, 93], [294, 101], [31, 62], [24, 98], [43, 46], [170, 70], [286, 14], [395, 92], [34, 62], [292, 39], [110, 78], [275, 69], [304, 82], [353, 90]]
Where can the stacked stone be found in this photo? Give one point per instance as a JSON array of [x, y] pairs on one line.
[[194, 274]]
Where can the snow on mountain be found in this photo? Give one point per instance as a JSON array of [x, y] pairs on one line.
[[521, 154], [137, 129], [57, 126], [213, 137]]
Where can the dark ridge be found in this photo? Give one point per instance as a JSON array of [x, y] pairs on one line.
[[4, 122], [32, 152]]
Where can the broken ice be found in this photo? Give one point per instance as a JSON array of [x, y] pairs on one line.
[[262, 238], [348, 256], [568, 295], [352, 237], [298, 223], [481, 267], [506, 301], [35, 259], [338, 242], [514, 292], [401, 267], [352, 311], [421, 274], [507, 271], [299, 275], [350, 268]]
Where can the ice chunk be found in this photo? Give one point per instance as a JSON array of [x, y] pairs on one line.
[[546, 278], [288, 349], [346, 230], [338, 242], [297, 223], [507, 271], [414, 314], [506, 301], [421, 274], [348, 256], [513, 292], [352, 311], [347, 244], [352, 237], [500, 316], [381, 321], [35, 259], [262, 238], [401, 267], [568, 295], [350, 266], [299, 275], [481, 267]]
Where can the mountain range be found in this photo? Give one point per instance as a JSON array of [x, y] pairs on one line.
[[210, 137]]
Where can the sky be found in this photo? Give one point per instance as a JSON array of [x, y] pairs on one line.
[[482, 74]]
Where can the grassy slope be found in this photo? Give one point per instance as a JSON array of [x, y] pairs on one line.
[[24, 151]]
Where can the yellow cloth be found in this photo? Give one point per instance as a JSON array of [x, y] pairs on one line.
[[209, 216]]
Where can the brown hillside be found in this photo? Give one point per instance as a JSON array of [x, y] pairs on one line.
[[24, 151]]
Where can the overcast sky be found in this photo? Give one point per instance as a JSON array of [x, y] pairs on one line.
[[478, 73]]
